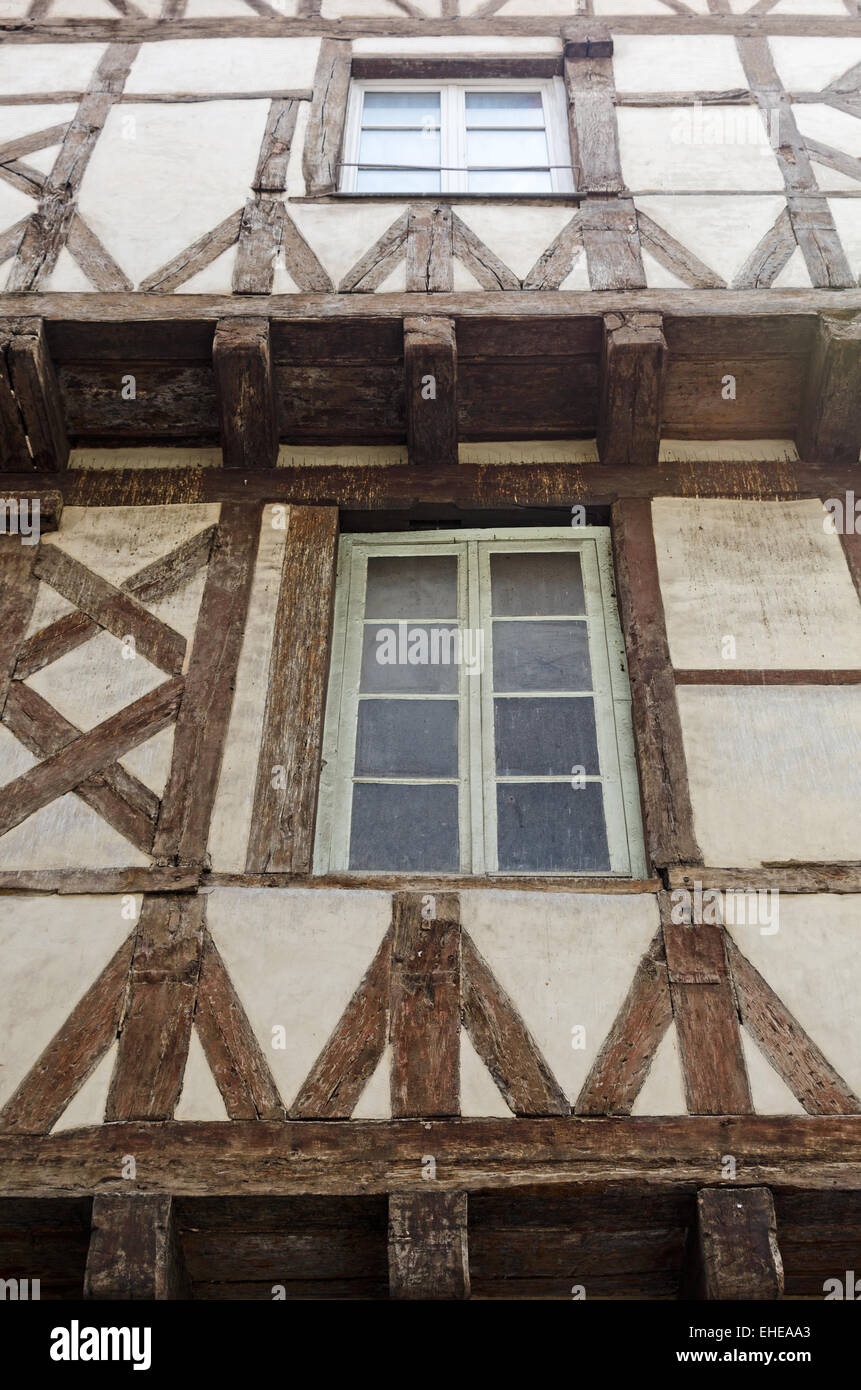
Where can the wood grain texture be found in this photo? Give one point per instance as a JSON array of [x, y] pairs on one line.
[[429, 249], [14, 451], [664, 791], [424, 1024], [503, 1042], [430, 366], [632, 373], [288, 771], [428, 1255], [156, 1025], [37, 395], [733, 1251], [235, 1057], [135, 1250], [242, 361], [201, 726], [18, 588], [830, 423], [325, 133]]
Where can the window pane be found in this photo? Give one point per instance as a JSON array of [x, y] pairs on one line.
[[401, 109], [504, 182], [541, 656], [396, 181], [400, 147], [545, 738], [407, 738], [525, 585], [507, 149], [409, 658], [551, 827], [411, 586], [504, 109], [404, 828]]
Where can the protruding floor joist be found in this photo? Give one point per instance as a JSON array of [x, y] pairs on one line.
[[31, 408], [830, 425], [430, 363], [135, 1251], [247, 411], [428, 1254], [632, 373], [732, 1248]]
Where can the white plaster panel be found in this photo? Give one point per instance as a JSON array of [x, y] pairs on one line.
[[233, 9], [67, 834], [67, 276], [49, 67], [768, 1091], [565, 959], [794, 275], [340, 236], [234, 800], [480, 1096], [95, 681], [51, 950], [657, 275], [375, 1102], [811, 7], [722, 232], [295, 958], [677, 63], [663, 1091], [115, 542], [150, 762], [372, 9], [184, 168], [774, 772], [26, 119], [813, 963], [838, 129], [14, 205], [713, 149], [225, 65], [518, 235], [15, 759], [200, 1098], [49, 606], [809, 64], [145, 458], [89, 1105], [765, 573], [847, 219], [215, 278]]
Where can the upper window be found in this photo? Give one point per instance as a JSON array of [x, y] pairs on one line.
[[453, 137], [479, 712]]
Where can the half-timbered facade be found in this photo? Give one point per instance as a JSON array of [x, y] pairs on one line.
[[430, 657]]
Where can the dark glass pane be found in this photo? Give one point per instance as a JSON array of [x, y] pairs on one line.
[[407, 738], [523, 586], [404, 828], [541, 656], [545, 738], [551, 827], [410, 659], [411, 586]]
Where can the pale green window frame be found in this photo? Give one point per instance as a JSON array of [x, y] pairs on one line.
[[477, 777]]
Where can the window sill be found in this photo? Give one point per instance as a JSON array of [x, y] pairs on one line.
[[423, 883], [565, 199]]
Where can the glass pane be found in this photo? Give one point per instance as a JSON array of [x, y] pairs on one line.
[[411, 586], [407, 738], [404, 828], [506, 149], [396, 181], [505, 182], [399, 147], [401, 109], [550, 827], [545, 738], [504, 109], [541, 656], [410, 658], [540, 584]]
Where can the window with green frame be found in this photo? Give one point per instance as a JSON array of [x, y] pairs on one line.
[[478, 717]]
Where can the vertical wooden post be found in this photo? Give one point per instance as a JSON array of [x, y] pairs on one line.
[[428, 1252], [425, 1005], [632, 386], [135, 1251], [732, 1248], [430, 364]]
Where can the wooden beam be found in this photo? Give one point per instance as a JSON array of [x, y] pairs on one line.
[[830, 424], [235, 1057], [14, 450], [288, 770], [428, 1254], [430, 363], [664, 791], [632, 372], [425, 1004], [429, 249], [325, 132], [18, 588], [156, 1026], [135, 1250], [247, 409], [732, 1248], [37, 395]]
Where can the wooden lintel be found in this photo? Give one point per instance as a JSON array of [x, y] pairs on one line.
[[247, 408], [830, 425], [430, 364], [732, 1248], [632, 374], [428, 1255], [135, 1251], [37, 398]]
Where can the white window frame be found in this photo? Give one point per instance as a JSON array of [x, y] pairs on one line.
[[476, 762], [453, 130]]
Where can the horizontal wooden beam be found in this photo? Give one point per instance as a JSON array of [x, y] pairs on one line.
[[306, 1156], [789, 878], [730, 676]]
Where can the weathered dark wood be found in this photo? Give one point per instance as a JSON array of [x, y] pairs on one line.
[[792, 877], [424, 1025], [490, 272], [37, 395], [194, 258], [325, 133], [591, 92], [271, 173], [664, 791], [769, 256], [428, 1255], [94, 259], [77, 881], [73, 1053], [632, 368], [781, 1038], [156, 1025], [201, 725], [288, 770], [705, 1011], [235, 1057], [241, 357], [503, 1042], [612, 241], [429, 249], [830, 424], [14, 449], [732, 1250], [377, 263], [18, 589], [430, 364], [345, 1066], [135, 1250], [616, 1076], [676, 257]]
